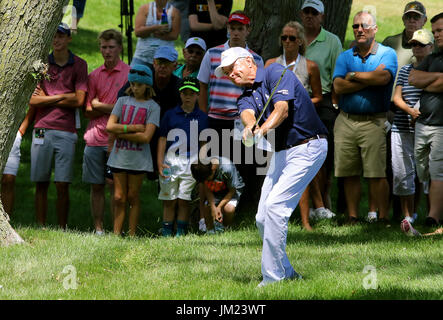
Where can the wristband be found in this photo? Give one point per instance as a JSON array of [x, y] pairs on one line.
[[125, 128]]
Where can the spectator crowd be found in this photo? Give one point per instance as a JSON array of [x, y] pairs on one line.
[[380, 106]]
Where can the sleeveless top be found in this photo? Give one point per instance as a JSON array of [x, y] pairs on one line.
[[146, 47], [301, 70]]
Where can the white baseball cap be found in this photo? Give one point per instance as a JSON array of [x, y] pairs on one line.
[[197, 41], [316, 4], [228, 57], [423, 36]]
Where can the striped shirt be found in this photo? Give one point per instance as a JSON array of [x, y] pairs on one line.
[[223, 93], [411, 95]]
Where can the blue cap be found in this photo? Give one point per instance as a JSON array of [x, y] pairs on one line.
[[141, 74], [64, 28], [166, 52]]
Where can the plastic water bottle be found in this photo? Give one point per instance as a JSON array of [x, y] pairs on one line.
[[167, 174], [164, 19], [249, 141]]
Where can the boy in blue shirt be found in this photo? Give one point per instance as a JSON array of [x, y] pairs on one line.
[[177, 149]]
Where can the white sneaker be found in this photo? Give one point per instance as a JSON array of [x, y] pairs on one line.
[[202, 225], [99, 233], [372, 217], [322, 213]]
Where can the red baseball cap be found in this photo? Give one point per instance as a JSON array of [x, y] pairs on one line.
[[239, 17]]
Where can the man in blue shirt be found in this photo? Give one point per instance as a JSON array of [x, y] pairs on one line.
[[363, 77], [300, 148]]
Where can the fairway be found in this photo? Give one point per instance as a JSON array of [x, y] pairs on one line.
[[360, 262], [366, 261]]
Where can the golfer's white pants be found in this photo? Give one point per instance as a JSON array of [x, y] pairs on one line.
[[289, 174]]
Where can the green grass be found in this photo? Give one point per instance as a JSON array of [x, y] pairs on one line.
[[227, 266]]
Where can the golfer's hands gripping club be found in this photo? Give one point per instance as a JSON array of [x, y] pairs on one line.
[[251, 135]]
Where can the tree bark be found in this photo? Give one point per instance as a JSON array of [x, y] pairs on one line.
[[26, 31], [268, 18]]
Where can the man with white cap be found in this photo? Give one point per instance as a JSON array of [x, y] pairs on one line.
[[300, 148], [193, 53], [429, 126]]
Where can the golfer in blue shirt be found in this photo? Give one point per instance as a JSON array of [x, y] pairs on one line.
[[278, 100]]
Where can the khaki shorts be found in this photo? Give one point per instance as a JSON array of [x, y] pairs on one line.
[[429, 152], [360, 145], [181, 182]]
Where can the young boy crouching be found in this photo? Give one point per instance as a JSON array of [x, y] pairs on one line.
[[223, 186]]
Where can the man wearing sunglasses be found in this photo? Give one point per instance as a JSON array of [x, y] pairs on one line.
[[193, 53], [363, 77], [414, 18], [323, 47]]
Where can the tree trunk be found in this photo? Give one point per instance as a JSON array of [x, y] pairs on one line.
[[268, 18], [26, 31]]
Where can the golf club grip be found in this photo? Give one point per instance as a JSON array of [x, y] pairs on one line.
[[270, 97]]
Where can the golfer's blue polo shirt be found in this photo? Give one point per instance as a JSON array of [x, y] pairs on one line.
[[178, 119], [302, 122], [372, 99]]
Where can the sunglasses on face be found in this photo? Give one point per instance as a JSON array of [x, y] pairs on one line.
[[285, 37], [163, 62], [363, 25], [418, 44], [414, 17], [310, 11], [140, 73], [196, 52]]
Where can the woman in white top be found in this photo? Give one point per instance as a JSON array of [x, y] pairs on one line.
[[150, 31], [293, 43]]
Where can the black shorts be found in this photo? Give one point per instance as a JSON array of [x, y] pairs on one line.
[[133, 172]]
